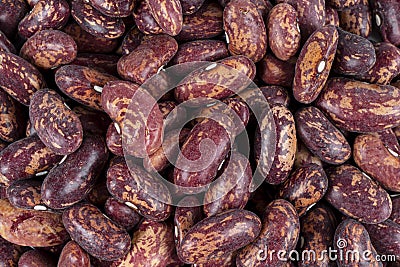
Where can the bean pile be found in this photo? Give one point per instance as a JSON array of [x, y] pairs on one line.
[[91, 117]]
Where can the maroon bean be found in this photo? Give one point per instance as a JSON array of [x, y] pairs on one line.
[[349, 189], [206, 23], [200, 50], [70, 181], [11, 12], [95, 233], [37, 258], [24, 159], [95, 22], [58, 127], [88, 43], [168, 14], [5, 44], [49, 49], [114, 140], [19, 84], [114, 8], [72, 255], [121, 214], [46, 14], [145, 20]]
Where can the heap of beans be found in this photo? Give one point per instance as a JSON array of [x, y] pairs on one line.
[[326, 145]]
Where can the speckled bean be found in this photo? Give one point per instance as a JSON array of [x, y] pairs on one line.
[[70, 181], [49, 49], [349, 189], [46, 14], [95, 233]]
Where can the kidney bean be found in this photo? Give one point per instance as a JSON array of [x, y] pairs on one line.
[[283, 31], [95, 233], [82, 84], [30, 227], [274, 71], [265, 142], [114, 8], [305, 187], [286, 144], [168, 14], [57, 126], [173, 114], [99, 194], [321, 137], [206, 23], [114, 140], [385, 237], [168, 152], [131, 40], [357, 20], [317, 230], [24, 159], [226, 260], [195, 167], [116, 97], [72, 255], [358, 106], [46, 14], [314, 64], [355, 54], [88, 43], [280, 231], [5, 44], [11, 12], [245, 30], [213, 81], [36, 258], [389, 140], [9, 253], [123, 184], [387, 18], [352, 236], [331, 16], [21, 85], [102, 62], [200, 50], [70, 181], [386, 67], [145, 61], [191, 6], [221, 234], [304, 156], [93, 122], [232, 113], [311, 15], [12, 118], [152, 242], [237, 177], [145, 20], [349, 189], [187, 213], [121, 214], [371, 155], [49, 49], [95, 22], [25, 194], [342, 4], [276, 95], [395, 216]]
